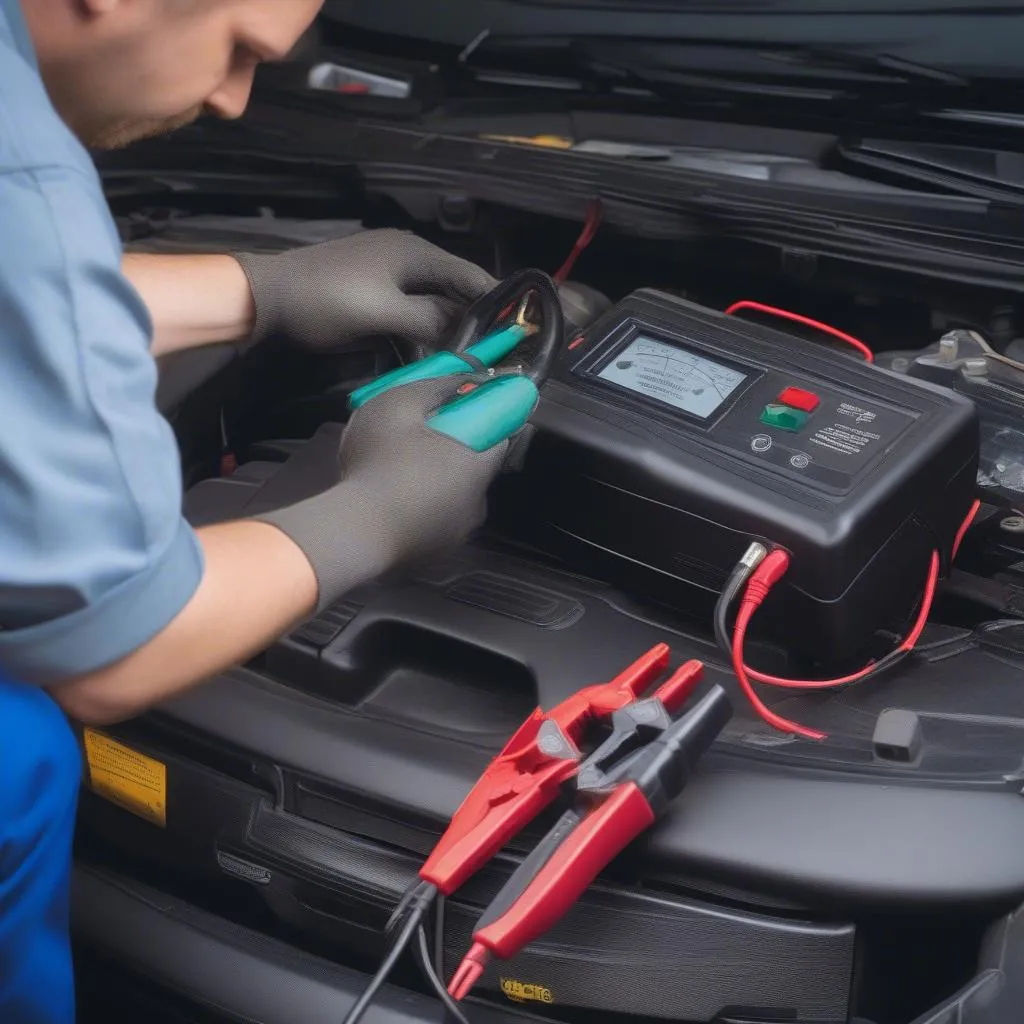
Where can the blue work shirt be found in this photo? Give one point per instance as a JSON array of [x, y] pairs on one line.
[[95, 557]]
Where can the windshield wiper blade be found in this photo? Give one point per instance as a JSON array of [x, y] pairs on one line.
[[939, 168], [594, 65], [830, 58], [687, 70]]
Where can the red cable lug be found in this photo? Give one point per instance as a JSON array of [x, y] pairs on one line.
[[473, 965]]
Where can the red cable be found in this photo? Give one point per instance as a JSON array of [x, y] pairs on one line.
[[769, 716], [964, 527], [908, 644], [768, 574], [595, 213], [849, 339], [926, 605]]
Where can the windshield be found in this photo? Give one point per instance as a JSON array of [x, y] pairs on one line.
[[951, 34]]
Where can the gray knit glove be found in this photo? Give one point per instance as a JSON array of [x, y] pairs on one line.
[[406, 491], [374, 283]]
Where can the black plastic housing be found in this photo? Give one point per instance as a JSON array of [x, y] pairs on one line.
[[196, 957], [665, 503]]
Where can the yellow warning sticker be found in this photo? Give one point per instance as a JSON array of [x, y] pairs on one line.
[[126, 778]]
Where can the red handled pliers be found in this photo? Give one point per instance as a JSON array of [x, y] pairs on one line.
[[625, 783], [622, 788], [543, 754]]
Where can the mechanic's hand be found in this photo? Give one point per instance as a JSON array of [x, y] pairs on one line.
[[406, 491], [388, 282]]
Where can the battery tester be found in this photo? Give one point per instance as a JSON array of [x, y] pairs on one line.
[[672, 436]]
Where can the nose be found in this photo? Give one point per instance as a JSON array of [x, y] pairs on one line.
[[231, 99]]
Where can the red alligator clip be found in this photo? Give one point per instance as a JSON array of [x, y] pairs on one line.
[[526, 777], [622, 788]]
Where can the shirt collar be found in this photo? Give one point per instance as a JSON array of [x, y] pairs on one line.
[[15, 28]]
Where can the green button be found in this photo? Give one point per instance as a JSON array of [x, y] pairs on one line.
[[783, 417]]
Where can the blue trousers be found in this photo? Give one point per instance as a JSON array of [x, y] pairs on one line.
[[40, 769]]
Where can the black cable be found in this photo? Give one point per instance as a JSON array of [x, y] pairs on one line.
[[417, 890], [422, 950], [439, 910], [411, 910], [736, 582]]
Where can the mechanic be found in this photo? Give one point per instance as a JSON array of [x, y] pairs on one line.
[[109, 601]]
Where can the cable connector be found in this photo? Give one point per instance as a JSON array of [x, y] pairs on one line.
[[753, 557], [473, 965], [765, 577]]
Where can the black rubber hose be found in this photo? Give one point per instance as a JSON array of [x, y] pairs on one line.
[[482, 314]]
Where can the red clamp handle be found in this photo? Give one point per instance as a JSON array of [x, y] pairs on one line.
[[576, 713], [526, 777], [517, 785], [680, 686], [600, 837]]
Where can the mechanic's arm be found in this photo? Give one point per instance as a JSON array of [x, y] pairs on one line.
[[405, 491], [320, 297], [107, 596], [256, 584], [192, 300]]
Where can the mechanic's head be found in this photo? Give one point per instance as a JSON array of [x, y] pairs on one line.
[[120, 70]]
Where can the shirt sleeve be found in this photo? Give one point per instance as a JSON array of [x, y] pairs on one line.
[[95, 556]]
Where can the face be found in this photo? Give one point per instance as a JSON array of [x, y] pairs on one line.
[[123, 70]]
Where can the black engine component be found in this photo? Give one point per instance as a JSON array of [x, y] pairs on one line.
[[964, 362]]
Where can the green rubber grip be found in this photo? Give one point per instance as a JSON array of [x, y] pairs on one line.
[[441, 364], [495, 347], [488, 351], [489, 414]]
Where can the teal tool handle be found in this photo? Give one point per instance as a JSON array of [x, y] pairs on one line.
[[487, 352], [441, 364], [489, 414], [491, 350]]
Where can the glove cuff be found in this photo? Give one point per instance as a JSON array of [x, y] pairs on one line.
[[337, 539], [261, 272]]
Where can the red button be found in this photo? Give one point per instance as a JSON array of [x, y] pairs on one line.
[[797, 398]]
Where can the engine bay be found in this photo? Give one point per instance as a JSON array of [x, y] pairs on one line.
[[793, 319], [262, 409], [616, 532]]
